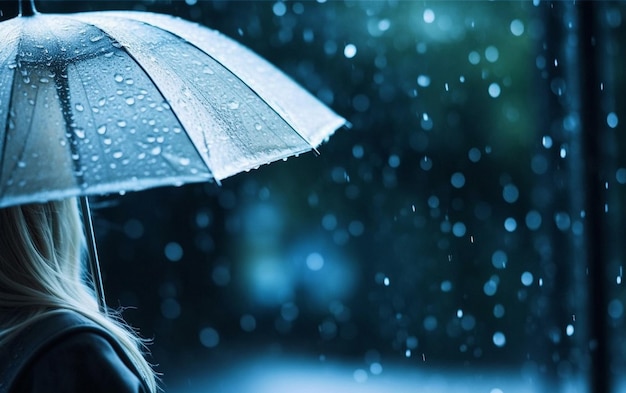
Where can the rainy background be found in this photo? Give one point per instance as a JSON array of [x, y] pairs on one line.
[[440, 243]]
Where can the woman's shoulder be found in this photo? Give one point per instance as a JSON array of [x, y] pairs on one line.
[[79, 362], [71, 352]]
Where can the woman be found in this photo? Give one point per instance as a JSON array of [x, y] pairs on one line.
[[44, 297]]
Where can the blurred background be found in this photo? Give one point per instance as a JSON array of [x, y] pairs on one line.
[[464, 234]]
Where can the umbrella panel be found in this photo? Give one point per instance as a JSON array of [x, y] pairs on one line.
[[234, 129]]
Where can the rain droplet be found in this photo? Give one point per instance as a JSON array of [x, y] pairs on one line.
[[118, 154], [121, 123], [208, 71], [494, 90], [96, 38], [499, 339], [233, 105], [423, 80], [546, 141], [21, 164], [184, 161], [79, 107], [80, 133], [130, 101], [119, 78], [155, 151], [349, 51], [428, 16], [102, 129]]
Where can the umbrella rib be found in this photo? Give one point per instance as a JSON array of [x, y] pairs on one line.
[[6, 126], [5, 138], [62, 86]]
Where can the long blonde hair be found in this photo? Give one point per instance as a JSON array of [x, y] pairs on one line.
[[42, 271]]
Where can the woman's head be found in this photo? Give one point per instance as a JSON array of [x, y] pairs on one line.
[[40, 254]]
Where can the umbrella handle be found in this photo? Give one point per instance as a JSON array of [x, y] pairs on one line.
[[94, 264]]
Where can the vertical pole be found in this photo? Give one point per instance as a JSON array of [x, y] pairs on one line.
[[27, 7], [593, 136], [94, 264]]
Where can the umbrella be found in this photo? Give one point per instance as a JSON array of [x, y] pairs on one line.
[[116, 101]]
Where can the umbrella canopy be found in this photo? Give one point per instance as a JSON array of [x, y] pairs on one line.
[[103, 102]]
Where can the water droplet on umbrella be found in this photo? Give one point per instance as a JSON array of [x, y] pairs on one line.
[[96, 38], [207, 71], [80, 133], [258, 126], [121, 123], [155, 151], [79, 107], [130, 101], [184, 161], [21, 164], [118, 154], [233, 105], [102, 129], [119, 78]]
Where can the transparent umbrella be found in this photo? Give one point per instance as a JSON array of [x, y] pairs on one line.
[[107, 102]]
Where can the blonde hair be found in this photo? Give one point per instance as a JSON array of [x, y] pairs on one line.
[[42, 271]]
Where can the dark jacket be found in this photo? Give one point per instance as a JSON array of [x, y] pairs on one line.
[[67, 353]]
